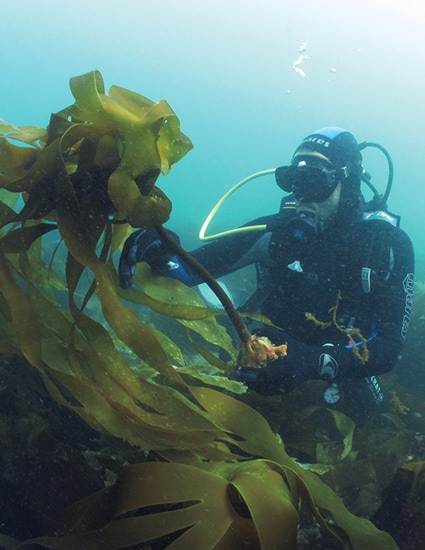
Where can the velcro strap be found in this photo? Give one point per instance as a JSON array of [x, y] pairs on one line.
[[366, 271]]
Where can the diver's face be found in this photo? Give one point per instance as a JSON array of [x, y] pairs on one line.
[[324, 210]]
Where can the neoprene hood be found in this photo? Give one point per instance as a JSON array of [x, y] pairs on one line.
[[339, 146]]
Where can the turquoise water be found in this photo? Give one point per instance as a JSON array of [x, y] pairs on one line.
[[227, 69], [248, 80]]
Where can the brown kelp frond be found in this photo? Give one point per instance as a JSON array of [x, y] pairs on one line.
[[95, 155], [30, 135], [250, 504], [172, 298]]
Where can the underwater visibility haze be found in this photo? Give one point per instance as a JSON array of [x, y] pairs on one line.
[[105, 443]]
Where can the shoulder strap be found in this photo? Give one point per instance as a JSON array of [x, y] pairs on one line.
[[383, 216], [377, 228]]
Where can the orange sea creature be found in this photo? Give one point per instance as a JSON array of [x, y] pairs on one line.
[[258, 352]]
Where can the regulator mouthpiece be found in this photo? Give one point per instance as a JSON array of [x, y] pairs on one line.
[[304, 227]]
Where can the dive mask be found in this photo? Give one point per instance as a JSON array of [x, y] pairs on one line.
[[309, 183]]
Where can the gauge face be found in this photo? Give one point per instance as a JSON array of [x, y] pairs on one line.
[[332, 394]]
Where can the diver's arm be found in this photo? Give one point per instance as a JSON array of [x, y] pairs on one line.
[[231, 253], [219, 257]]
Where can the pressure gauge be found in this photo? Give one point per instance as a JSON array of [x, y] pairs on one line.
[[332, 394]]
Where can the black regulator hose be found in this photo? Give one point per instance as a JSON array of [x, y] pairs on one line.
[[366, 179]]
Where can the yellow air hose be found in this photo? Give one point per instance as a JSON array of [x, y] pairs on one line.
[[220, 203]]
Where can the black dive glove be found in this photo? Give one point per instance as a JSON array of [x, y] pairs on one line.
[[282, 375], [144, 245]]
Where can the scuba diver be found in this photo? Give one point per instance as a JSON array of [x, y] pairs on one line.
[[334, 273]]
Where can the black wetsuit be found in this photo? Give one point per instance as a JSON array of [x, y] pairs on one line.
[[369, 266]]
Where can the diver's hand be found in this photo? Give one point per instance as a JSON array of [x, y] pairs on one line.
[[144, 245], [301, 363], [268, 380]]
